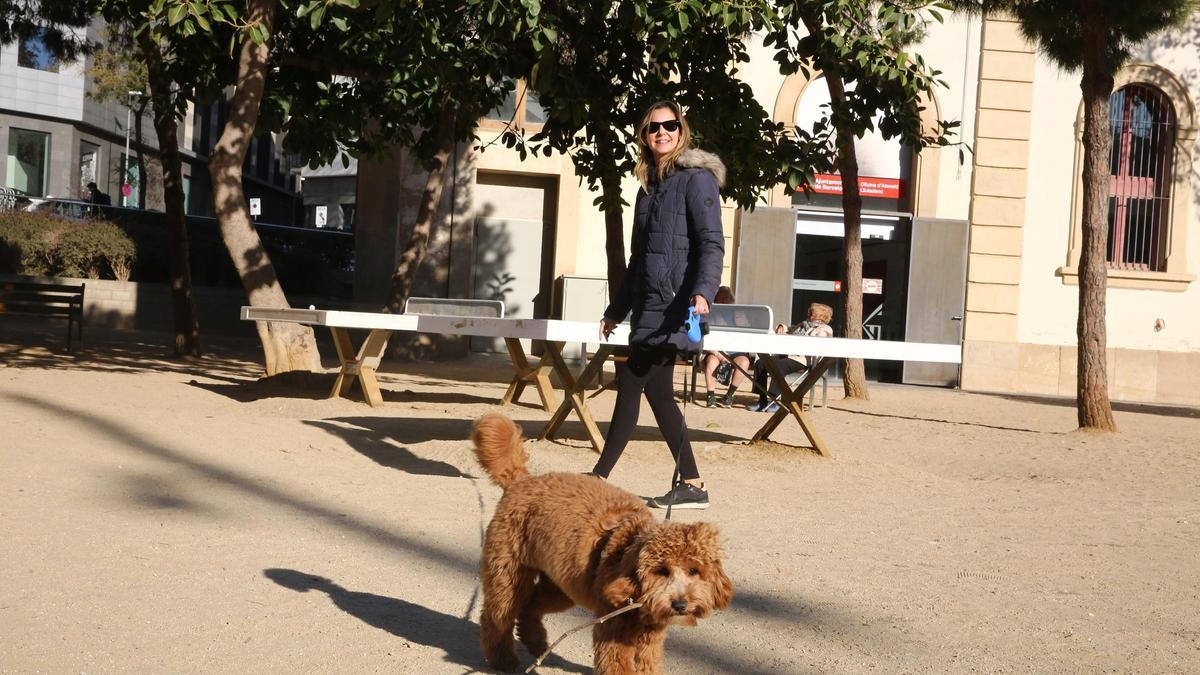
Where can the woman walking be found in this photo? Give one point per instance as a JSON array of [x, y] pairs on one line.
[[675, 263]]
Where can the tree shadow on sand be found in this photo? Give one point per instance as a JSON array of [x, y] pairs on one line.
[[316, 386], [457, 637], [382, 441]]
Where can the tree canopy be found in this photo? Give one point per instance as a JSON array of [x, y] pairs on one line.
[[59, 24]]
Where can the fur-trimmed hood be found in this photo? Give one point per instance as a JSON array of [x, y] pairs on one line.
[[695, 158]]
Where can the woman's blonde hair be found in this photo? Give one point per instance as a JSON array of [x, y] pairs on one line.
[[648, 168]]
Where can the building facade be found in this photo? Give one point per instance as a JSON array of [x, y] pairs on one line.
[[983, 251], [57, 140]]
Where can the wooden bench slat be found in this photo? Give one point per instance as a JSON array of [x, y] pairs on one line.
[[30, 308], [31, 296], [29, 285]]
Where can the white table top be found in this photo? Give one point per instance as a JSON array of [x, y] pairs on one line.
[[586, 331]]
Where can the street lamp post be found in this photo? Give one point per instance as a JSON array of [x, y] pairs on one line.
[[125, 163]]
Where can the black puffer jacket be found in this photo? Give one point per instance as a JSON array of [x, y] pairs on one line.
[[677, 250]]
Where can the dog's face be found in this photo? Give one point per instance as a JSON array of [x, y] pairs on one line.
[[674, 570]]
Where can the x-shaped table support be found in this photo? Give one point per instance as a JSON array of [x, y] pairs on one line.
[[575, 389], [537, 375], [361, 365], [792, 400]]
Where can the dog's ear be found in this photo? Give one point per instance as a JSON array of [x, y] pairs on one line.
[[722, 587], [706, 537], [625, 583], [619, 591]]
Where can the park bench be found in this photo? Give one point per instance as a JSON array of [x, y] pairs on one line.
[[732, 318], [35, 298]]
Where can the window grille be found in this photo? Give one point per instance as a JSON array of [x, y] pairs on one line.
[[1142, 123]]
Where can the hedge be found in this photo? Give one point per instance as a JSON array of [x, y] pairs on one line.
[[40, 244]]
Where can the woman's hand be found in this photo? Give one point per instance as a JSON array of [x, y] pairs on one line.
[[700, 304], [606, 327]]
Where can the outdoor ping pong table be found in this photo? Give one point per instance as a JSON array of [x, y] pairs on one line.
[[553, 335]]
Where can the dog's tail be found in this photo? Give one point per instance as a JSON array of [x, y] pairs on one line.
[[500, 449]]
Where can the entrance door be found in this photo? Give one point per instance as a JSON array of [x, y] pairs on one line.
[[514, 247], [937, 281]]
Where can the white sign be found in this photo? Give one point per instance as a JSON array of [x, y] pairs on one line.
[[322, 217], [255, 206], [816, 285], [873, 286]]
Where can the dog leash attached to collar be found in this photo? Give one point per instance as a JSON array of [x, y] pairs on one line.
[[630, 605]]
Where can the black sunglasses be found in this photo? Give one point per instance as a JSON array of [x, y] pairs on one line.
[[669, 125]]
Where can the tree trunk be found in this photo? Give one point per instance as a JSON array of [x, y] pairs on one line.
[[286, 346], [183, 305], [166, 126], [418, 240], [614, 222], [854, 378], [1094, 410], [141, 157]]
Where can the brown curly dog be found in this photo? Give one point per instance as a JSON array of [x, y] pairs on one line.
[[560, 540]]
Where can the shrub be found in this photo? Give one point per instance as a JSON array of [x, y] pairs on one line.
[[93, 250], [27, 242], [41, 244]]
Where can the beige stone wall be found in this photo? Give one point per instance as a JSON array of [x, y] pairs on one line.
[[580, 245], [1021, 307], [1001, 163]]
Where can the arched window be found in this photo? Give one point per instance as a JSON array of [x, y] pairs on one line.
[[1153, 126], [1142, 122]]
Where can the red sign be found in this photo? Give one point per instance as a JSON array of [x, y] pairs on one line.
[[868, 186], [126, 189]]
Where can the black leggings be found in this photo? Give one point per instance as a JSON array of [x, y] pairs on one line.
[[648, 369]]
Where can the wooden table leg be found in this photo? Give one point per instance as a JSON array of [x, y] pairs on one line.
[[345, 352], [792, 401], [575, 394], [539, 375], [361, 365]]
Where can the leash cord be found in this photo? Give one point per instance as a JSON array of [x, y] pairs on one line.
[[606, 617]]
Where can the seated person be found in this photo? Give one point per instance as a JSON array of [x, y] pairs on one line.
[[713, 359], [816, 325], [97, 197]]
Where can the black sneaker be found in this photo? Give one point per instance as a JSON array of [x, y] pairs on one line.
[[727, 402], [682, 496], [712, 400]]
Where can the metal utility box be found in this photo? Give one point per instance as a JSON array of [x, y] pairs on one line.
[[581, 298]]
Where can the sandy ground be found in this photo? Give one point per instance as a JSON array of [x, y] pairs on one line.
[[159, 516]]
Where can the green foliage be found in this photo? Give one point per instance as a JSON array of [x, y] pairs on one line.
[[96, 250], [1057, 26], [117, 67], [45, 245], [26, 242], [597, 66], [177, 57], [865, 44], [59, 24]]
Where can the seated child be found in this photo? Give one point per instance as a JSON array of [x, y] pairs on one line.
[[815, 325]]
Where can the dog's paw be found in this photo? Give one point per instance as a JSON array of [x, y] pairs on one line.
[[533, 636], [505, 663]]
